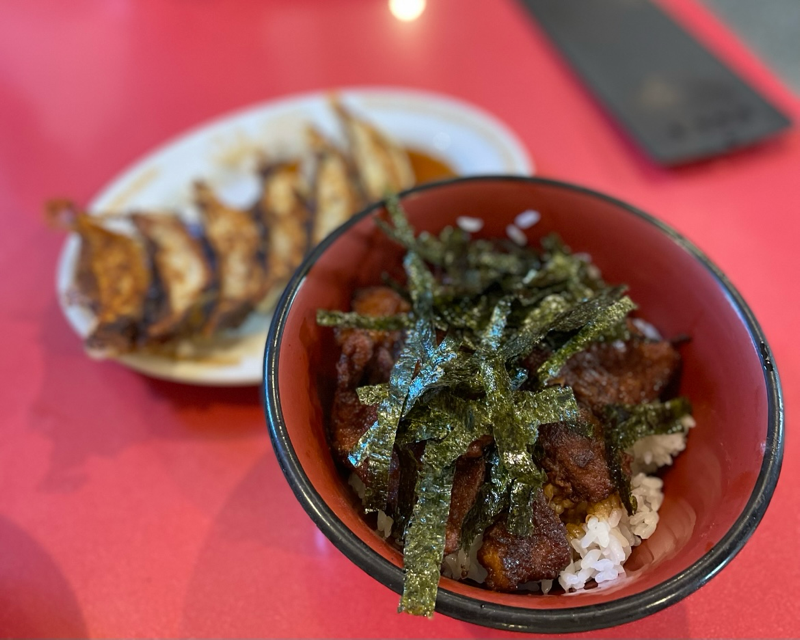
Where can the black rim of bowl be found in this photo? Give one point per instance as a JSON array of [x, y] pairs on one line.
[[572, 619]]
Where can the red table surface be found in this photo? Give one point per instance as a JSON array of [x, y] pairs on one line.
[[133, 507]]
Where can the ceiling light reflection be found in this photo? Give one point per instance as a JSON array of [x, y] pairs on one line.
[[406, 10]]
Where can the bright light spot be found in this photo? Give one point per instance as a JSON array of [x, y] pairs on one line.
[[406, 10]]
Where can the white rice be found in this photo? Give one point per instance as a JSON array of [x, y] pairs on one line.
[[470, 225], [527, 219], [647, 329], [464, 564], [652, 452], [516, 234], [602, 544]]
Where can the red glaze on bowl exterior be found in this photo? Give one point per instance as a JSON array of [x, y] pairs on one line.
[[717, 490]]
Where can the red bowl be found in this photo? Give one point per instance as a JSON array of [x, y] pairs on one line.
[[715, 493]]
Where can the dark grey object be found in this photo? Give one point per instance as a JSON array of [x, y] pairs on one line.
[[771, 28], [677, 100]]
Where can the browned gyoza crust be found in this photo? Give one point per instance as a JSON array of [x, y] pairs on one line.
[[381, 165], [183, 274], [113, 268], [283, 212], [235, 240], [334, 195]]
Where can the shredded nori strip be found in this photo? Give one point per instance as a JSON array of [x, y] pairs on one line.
[[625, 424], [604, 322], [520, 507], [373, 394], [425, 538], [553, 404], [534, 327], [376, 445], [432, 370], [424, 543], [352, 320], [587, 310]]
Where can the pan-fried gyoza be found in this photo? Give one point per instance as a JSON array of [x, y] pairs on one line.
[[112, 279], [284, 217], [182, 274], [236, 245], [165, 280], [382, 165], [334, 194]]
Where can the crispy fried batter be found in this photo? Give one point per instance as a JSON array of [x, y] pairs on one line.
[[382, 165], [576, 463], [367, 358], [284, 215], [467, 481], [334, 196], [512, 560], [621, 373], [607, 373], [183, 274], [236, 243]]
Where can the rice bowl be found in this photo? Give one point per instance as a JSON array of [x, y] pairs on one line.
[[678, 288]]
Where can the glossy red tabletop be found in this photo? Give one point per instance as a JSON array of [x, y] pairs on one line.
[[133, 507]]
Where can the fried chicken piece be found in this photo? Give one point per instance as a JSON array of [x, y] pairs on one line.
[[361, 347], [574, 462], [476, 447], [183, 274], [512, 560], [113, 278], [285, 216], [235, 240], [632, 372], [367, 358], [334, 196], [349, 421], [467, 481], [381, 164]]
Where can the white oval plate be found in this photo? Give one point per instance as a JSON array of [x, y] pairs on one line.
[[224, 152]]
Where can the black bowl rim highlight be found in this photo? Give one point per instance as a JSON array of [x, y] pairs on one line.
[[565, 620]]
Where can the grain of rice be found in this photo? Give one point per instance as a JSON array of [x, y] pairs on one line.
[[468, 224], [516, 235], [649, 331], [527, 219]]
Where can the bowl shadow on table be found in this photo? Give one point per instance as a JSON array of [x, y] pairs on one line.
[[260, 542], [89, 408], [36, 601]]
